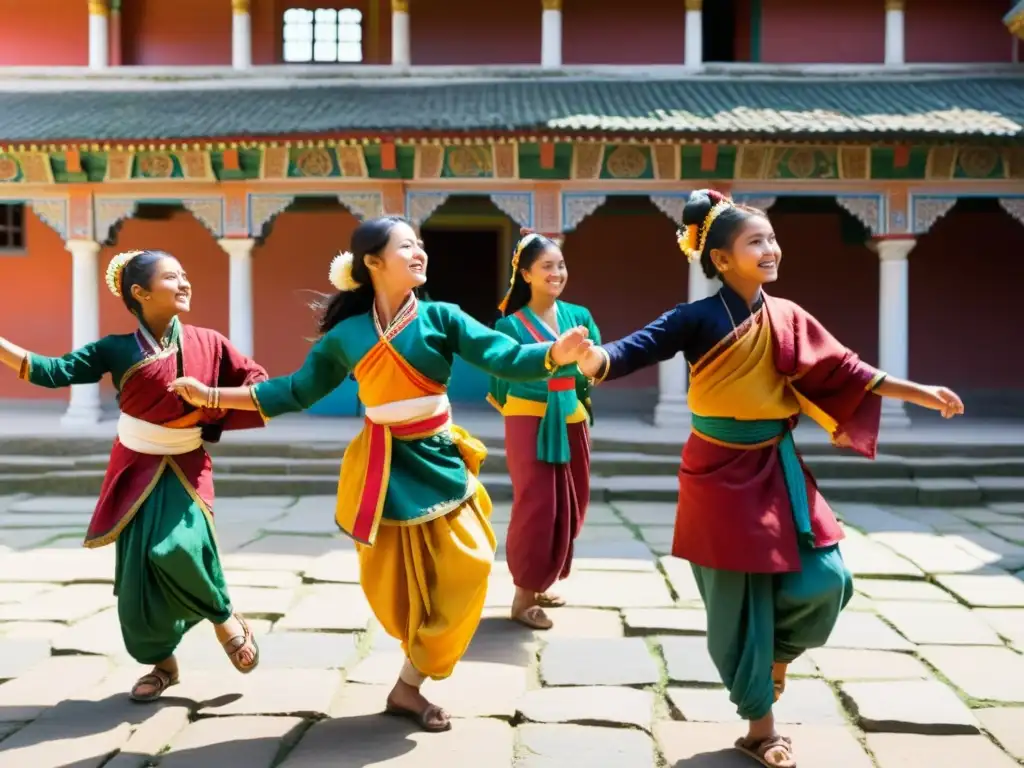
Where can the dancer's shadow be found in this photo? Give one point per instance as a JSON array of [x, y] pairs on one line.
[[722, 758]]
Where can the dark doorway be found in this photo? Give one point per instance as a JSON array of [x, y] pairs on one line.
[[463, 269], [719, 31]]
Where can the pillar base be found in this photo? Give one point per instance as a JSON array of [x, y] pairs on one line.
[[894, 415], [672, 414], [81, 416]]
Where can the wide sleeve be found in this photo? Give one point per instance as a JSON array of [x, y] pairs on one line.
[[659, 340], [238, 370], [492, 351], [85, 365], [497, 388], [324, 369]]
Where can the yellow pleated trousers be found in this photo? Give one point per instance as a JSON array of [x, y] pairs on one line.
[[427, 583]]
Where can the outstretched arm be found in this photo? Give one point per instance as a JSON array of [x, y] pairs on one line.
[[659, 340], [936, 398], [85, 365], [323, 370]]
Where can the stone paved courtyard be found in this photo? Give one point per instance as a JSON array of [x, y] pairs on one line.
[[924, 668]]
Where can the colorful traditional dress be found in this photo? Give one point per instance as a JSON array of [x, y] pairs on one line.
[[408, 492], [547, 446], [156, 503], [760, 538]]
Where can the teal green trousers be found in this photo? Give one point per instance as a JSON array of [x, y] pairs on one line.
[[168, 575]]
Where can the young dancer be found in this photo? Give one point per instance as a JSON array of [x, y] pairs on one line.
[[547, 442], [156, 504], [408, 492], [761, 540]]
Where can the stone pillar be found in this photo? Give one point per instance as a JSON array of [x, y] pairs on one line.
[[241, 35], [99, 34], [893, 320], [672, 409], [114, 31], [240, 307], [551, 34], [694, 34], [84, 408], [401, 48], [894, 26]]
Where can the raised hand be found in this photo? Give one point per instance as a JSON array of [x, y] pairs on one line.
[[591, 362], [192, 391], [570, 346]]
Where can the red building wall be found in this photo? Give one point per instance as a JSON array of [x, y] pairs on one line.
[[813, 32], [36, 309], [51, 33], [176, 32], [474, 32], [951, 31], [612, 32], [965, 278]]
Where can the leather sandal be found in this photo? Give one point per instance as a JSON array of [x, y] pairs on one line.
[[234, 651], [547, 600], [158, 679], [534, 618], [432, 719], [773, 752]]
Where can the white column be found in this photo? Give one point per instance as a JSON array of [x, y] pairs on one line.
[[84, 407], [893, 321], [99, 34], [672, 409], [551, 34], [241, 35], [240, 310], [401, 49], [694, 34], [894, 35]]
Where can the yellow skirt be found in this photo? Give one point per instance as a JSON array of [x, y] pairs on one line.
[[427, 583]]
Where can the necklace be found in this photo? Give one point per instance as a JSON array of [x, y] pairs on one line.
[[727, 310]]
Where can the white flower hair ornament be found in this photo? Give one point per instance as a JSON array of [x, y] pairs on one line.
[[115, 268], [341, 272]]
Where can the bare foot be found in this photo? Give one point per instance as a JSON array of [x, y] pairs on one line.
[[233, 633], [406, 700]]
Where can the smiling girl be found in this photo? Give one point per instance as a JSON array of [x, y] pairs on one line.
[[156, 503], [408, 492], [547, 443], [761, 540]]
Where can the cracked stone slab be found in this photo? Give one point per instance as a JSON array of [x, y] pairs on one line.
[[992, 588], [583, 622], [48, 683], [987, 674], [613, 556], [331, 608], [589, 706], [899, 750], [1006, 724], [931, 552], [266, 579], [687, 660], [17, 656], [305, 692], [372, 740], [79, 505], [557, 746], [710, 744], [927, 707], [990, 549], [216, 742], [839, 664], [601, 589], [597, 661], [649, 621], [262, 601], [938, 624], [307, 650], [805, 702], [865, 631], [1007, 622], [640, 513], [680, 576], [340, 567], [69, 603], [59, 566], [902, 589]]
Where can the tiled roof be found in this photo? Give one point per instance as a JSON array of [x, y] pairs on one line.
[[870, 107]]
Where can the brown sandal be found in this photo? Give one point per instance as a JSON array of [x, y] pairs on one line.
[[780, 747], [433, 719], [234, 652], [534, 618], [159, 679], [547, 600]]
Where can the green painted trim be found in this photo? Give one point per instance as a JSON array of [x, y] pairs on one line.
[[755, 31]]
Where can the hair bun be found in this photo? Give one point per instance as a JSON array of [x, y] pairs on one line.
[[524, 231], [697, 207]]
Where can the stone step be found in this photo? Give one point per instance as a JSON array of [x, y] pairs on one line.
[[952, 492]]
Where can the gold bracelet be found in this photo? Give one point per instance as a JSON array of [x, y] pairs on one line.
[[216, 398], [549, 361], [605, 368]]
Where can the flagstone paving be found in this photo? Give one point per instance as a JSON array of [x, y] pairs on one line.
[[925, 669]]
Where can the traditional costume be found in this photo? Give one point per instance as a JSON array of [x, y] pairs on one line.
[[547, 447], [408, 492], [761, 540], [156, 502]]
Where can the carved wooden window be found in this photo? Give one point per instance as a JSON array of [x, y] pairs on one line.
[[12, 227], [323, 35]]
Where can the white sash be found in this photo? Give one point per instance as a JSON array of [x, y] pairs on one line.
[[155, 440], [401, 411]]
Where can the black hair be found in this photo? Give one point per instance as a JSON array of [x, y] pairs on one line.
[[139, 271], [519, 293], [724, 228], [369, 238]]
